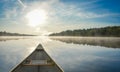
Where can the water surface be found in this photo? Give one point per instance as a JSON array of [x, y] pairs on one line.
[[73, 54]]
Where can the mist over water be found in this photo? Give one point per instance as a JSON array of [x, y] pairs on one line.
[[73, 54], [110, 42]]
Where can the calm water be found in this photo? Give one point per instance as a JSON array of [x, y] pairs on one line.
[[73, 54]]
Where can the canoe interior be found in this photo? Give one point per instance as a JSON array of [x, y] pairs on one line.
[[38, 61]]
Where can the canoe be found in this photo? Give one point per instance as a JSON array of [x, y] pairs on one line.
[[38, 61]]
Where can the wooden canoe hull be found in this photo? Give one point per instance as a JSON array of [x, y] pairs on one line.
[[38, 61]]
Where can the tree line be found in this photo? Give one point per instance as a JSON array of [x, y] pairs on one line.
[[4, 33], [105, 31]]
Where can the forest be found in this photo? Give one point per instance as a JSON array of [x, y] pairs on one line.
[[110, 31], [4, 33]]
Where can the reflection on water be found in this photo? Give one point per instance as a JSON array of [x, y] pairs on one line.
[[72, 54], [13, 50], [6, 38], [111, 42], [84, 58]]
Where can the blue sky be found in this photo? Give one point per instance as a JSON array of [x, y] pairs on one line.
[[59, 15]]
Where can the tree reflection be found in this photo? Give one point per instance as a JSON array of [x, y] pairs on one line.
[[110, 42]]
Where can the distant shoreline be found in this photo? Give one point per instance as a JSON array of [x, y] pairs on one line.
[[81, 37], [4, 33], [110, 31]]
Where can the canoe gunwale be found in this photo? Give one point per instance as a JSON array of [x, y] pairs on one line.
[[36, 49], [21, 61]]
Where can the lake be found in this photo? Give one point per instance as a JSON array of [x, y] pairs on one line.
[[73, 54]]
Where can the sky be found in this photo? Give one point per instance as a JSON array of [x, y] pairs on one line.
[[42, 17]]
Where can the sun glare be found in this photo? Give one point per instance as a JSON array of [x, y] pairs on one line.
[[36, 17]]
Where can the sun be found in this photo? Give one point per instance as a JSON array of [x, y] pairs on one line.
[[36, 17]]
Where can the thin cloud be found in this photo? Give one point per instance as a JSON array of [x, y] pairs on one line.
[[21, 3], [70, 10], [95, 15], [60, 14]]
